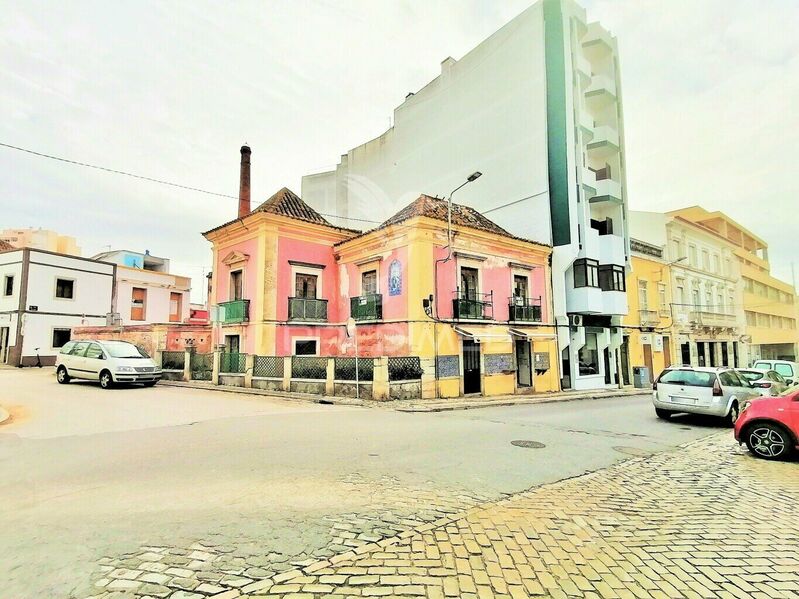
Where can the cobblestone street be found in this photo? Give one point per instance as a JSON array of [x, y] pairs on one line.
[[705, 520]]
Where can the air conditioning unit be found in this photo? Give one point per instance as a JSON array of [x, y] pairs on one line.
[[576, 320]]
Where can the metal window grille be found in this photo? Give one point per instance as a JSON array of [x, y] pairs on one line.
[[308, 367], [345, 369], [173, 360], [232, 363], [404, 369], [268, 366], [202, 366]]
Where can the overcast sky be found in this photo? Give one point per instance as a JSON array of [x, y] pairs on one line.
[[172, 89]]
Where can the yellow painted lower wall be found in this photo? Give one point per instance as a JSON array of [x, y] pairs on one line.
[[499, 384], [548, 381], [636, 349]]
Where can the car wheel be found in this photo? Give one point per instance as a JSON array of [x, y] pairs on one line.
[[735, 412], [768, 441], [663, 414], [62, 376], [106, 380]]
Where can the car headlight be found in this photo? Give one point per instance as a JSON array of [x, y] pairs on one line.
[[124, 369]]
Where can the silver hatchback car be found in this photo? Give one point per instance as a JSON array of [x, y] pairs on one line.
[[719, 392]]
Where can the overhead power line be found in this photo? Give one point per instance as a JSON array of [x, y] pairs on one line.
[[152, 179]]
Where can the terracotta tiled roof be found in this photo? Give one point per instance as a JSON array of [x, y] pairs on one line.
[[287, 203], [436, 208], [4, 245]]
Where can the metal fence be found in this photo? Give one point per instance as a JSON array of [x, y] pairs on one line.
[[308, 367], [268, 366], [232, 363], [202, 366], [173, 360], [404, 369], [345, 369]]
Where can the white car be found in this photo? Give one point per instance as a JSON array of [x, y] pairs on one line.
[[769, 383], [787, 370], [720, 392], [106, 361]]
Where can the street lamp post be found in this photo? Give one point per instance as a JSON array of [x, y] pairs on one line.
[[473, 177]]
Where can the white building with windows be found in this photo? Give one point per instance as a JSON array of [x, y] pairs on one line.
[[707, 308], [146, 292], [43, 296], [536, 108]]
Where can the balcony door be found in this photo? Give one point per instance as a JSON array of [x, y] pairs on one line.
[[520, 287], [236, 285], [305, 286], [469, 283]]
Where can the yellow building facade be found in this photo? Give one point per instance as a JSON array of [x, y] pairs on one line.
[[647, 329]]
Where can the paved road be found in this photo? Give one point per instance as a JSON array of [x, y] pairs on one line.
[[90, 476]]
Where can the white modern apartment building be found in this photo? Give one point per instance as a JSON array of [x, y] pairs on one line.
[[708, 324], [43, 296], [146, 292], [536, 108]]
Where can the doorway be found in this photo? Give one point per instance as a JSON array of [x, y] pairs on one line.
[[471, 367], [685, 354], [666, 352], [4, 332], [524, 376], [606, 358], [725, 354], [232, 344], [711, 347], [625, 360], [648, 359], [700, 351]]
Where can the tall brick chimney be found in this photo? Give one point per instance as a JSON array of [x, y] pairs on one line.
[[244, 182]]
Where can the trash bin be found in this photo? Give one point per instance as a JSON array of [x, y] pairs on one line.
[[641, 378]]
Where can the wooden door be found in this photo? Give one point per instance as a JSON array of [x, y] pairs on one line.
[[648, 359], [666, 352], [138, 303]]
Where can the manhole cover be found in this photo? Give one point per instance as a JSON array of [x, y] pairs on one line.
[[528, 444], [634, 451]]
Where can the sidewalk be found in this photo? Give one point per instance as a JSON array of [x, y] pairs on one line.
[[421, 405]]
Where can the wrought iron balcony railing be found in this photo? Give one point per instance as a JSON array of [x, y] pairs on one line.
[[307, 308], [367, 307], [524, 309], [473, 306]]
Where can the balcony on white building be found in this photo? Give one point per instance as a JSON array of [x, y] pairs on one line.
[[604, 142], [600, 92], [589, 182], [597, 38], [614, 303], [585, 300], [607, 190], [611, 249]]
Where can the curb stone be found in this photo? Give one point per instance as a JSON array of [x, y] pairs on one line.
[[431, 405]]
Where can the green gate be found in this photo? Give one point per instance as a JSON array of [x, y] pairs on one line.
[[202, 366]]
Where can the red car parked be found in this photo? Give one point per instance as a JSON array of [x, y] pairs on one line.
[[770, 426]]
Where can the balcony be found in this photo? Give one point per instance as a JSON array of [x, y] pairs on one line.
[[477, 306], [597, 38], [367, 307], [600, 92], [611, 250], [607, 190], [586, 126], [235, 311], [605, 142], [523, 309], [706, 317], [648, 318], [307, 309]]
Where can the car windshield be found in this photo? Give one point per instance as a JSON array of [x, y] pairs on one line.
[[691, 378], [751, 375], [121, 349]]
